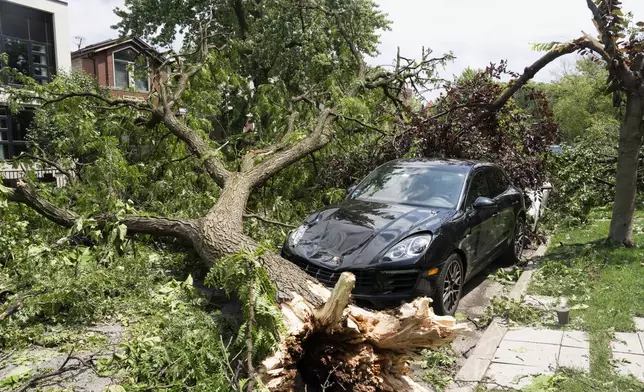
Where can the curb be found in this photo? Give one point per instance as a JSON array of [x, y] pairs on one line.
[[475, 367]]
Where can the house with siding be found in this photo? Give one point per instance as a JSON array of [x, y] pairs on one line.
[[119, 64]]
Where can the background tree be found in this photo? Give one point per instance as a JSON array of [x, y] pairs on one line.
[[621, 48], [581, 107]]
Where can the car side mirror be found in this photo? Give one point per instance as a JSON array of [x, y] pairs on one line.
[[482, 203], [351, 188]]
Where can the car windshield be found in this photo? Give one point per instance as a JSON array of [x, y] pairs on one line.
[[430, 186]]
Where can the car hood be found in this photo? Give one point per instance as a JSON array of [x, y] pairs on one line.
[[354, 233]]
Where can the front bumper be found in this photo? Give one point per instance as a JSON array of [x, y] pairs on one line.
[[379, 288]]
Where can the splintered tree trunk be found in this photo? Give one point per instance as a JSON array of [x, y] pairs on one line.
[[630, 141], [341, 347], [327, 339]]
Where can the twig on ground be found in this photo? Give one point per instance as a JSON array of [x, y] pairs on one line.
[[34, 380], [328, 383], [62, 369], [86, 364], [67, 359], [466, 353], [476, 324], [541, 303]]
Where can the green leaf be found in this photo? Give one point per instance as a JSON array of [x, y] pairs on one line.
[[85, 257], [78, 226], [15, 376], [122, 232], [36, 250]]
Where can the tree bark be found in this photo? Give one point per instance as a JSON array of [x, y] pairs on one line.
[[630, 141], [221, 234], [184, 229]]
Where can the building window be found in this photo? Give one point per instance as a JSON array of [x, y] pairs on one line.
[[27, 37], [129, 73], [13, 132]]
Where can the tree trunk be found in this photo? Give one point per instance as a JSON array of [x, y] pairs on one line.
[[221, 234], [630, 141]]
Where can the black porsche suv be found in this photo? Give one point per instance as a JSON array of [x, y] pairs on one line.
[[414, 228]]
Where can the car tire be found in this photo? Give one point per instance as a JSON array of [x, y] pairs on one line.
[[449, 286], [515, 249]]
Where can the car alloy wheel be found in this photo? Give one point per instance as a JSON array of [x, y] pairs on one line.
[[452, 286]]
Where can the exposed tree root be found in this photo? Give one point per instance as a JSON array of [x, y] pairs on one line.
[[344, 347]]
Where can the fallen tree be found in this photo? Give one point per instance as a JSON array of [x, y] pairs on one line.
[[374, 345]]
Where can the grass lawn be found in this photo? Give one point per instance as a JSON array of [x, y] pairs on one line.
[[605, 288]]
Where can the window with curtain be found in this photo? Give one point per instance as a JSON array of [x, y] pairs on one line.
[[130, 71]]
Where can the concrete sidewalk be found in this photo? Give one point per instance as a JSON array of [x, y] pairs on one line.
[[514, 356], [628, 351]]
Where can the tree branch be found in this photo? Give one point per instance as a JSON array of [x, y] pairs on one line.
[[12, 308], [241, 17], [614, 56], [362, 67], [362, 124], [602, 28], [199, 147], [109, 102], [53, 164], [26, 194], [182, 85], [530, 72], [315, 141]]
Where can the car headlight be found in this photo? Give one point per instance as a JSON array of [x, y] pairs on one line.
[[409, 247], [296, 235]]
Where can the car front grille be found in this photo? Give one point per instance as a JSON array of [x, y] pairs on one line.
[[367, 281]]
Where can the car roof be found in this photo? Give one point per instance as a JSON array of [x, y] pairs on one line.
[[466, 164]]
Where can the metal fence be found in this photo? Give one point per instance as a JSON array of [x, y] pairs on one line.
[[10, 177]]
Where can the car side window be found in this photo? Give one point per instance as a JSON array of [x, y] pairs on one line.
[[498, 182], [478, 188]]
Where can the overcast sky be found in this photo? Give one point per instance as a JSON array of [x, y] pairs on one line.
[[476, 31]]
